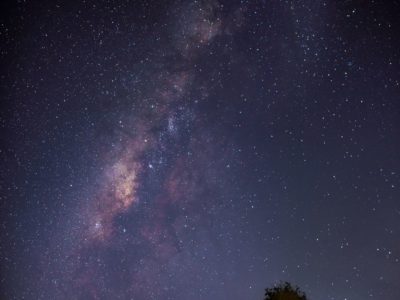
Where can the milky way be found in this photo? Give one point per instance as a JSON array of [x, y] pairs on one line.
[[146, 148], [199, 149]]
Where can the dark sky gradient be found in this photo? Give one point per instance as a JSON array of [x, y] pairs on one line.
[[199, 149]]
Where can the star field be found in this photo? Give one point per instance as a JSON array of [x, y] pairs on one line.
[[199, 149]]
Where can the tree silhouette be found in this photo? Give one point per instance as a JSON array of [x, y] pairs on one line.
[[284, 291]]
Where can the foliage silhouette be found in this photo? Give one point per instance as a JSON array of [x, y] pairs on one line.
[[284, 291]]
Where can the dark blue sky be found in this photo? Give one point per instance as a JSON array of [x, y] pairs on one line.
[[199, 149]]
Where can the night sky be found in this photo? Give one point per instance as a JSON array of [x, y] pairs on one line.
[[199, 149]]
